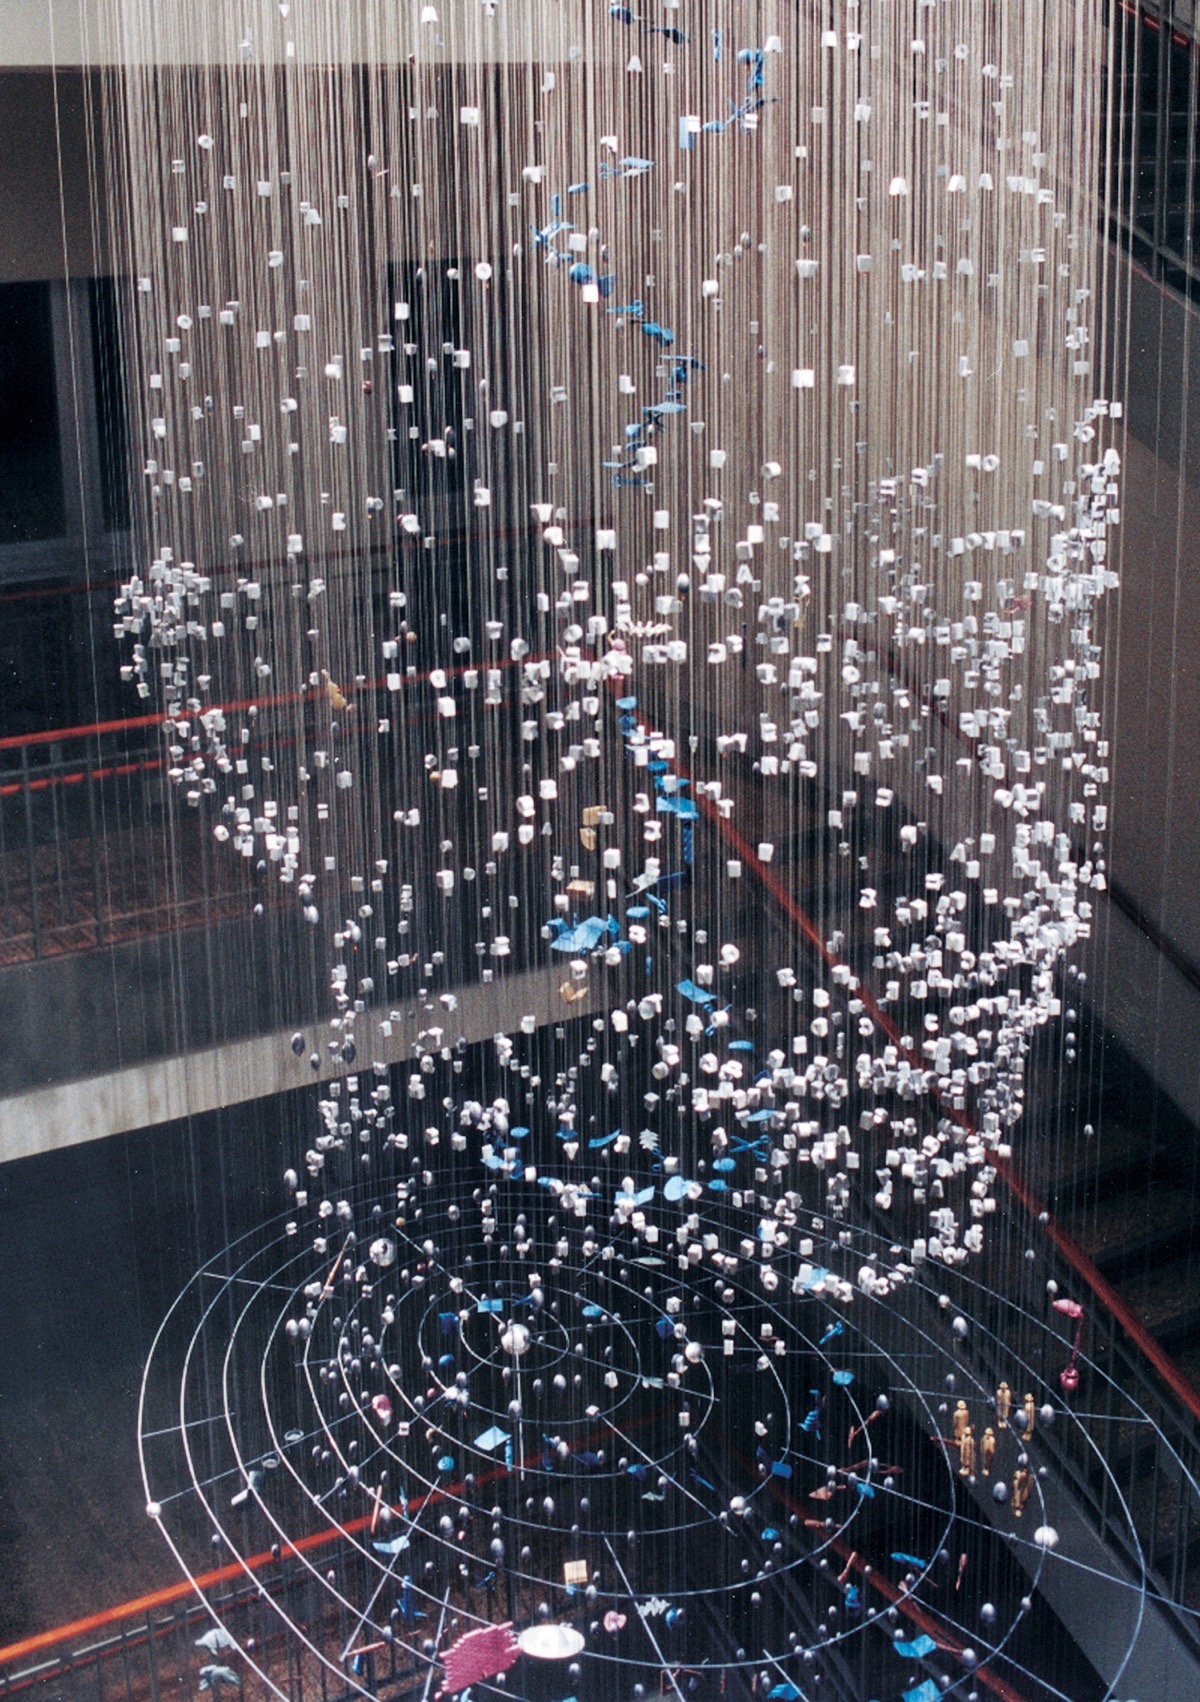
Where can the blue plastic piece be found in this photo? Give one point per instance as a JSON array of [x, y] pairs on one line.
[[917, 1649], [584, 936]]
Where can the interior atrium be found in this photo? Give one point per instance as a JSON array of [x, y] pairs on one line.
[[599, 850]]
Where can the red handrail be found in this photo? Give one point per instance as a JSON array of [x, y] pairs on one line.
[[898, 1598], [115, 771], [920, 1616], [1149, 21], [58, 735], [1102, 1290], [1071, 1251], [234, 1569], [1105, 1293]]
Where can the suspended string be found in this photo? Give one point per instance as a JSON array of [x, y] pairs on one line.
[[548, 413], [346, 281]]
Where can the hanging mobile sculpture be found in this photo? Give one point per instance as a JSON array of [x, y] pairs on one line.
[[627, 499]]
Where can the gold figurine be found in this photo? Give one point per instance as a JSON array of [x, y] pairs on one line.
[[966, 1453], [1022, 1483]]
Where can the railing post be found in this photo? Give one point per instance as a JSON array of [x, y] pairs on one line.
[[31, 855], [97, 897], [6, 901], [129, 1693], [183, 1643], [152, 1657]]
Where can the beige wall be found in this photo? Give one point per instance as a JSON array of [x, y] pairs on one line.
[[45, 32], [37, 33]]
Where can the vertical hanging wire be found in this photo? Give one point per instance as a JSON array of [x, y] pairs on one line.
[[885, 361]]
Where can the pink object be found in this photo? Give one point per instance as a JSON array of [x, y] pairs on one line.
[[479, 1655], [1071, 1308], [381, 1406], [1069, 1378], [614, 1621]]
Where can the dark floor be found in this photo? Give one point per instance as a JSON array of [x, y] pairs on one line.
[[98, 1240]]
